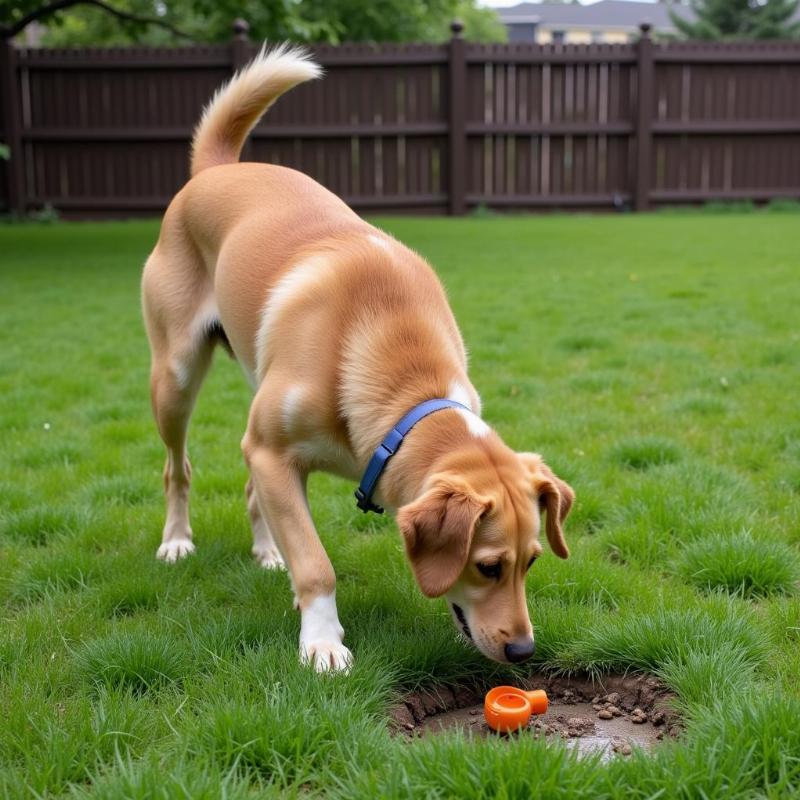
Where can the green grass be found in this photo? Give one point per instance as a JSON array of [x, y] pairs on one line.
[[740, 564], [653, 360]]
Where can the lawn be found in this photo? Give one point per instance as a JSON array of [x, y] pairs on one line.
[[653, 360]]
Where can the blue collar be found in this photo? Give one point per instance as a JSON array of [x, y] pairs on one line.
[[390, 445]]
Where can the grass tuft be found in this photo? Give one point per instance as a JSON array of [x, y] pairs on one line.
[[54, 571], [648, 640], [703, 404], [128, 595], [123, 490], [700, 676], [185, 779], [135, 661], [645, 452], [740, 564], [578, 343], [38, 524], [257, 727], [671, 505]]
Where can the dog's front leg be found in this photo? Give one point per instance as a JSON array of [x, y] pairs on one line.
[[281, 492]]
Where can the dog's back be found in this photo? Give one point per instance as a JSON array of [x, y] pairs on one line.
[[261, 215], [240, 238]]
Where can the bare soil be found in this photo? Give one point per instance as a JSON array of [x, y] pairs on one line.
[[612, 715]]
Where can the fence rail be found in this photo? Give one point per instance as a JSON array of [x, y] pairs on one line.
[[422, 128]]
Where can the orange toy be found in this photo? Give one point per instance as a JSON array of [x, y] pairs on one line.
[[508, 709]]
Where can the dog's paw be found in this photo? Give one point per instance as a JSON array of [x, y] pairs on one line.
[[326, 656], [268, 556], [175, 550]]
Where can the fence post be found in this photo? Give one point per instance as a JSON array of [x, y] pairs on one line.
[[644, 121], [239, 57], [457, 120], [12, 128]]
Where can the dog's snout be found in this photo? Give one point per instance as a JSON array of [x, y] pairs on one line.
[[520, 650]]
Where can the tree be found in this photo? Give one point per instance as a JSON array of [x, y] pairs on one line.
[[739, 19], [15, 17], [331, 21]]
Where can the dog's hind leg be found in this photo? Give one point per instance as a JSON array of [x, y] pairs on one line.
[[176, 299], [265, 549]]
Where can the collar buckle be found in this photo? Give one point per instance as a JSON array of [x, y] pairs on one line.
[[390, 445], [365, 503]]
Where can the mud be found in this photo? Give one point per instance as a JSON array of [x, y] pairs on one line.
[[611, 716]]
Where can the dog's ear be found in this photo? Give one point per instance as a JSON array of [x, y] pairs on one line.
[[555, 498], [438, 529]]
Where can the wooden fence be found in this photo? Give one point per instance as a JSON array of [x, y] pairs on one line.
[[422, 128]]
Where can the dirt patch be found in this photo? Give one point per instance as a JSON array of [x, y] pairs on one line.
[[611, 716]]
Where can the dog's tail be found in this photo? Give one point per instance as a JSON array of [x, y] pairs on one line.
[[239, 104]]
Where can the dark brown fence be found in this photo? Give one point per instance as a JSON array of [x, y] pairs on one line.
[[424, 128]]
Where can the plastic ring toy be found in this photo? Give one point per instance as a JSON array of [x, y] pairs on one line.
[[507, 708]]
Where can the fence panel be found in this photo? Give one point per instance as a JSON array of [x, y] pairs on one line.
[[726, 121], [6, 78], [423, 128], [374, 131], [106, 131], [550, 125]]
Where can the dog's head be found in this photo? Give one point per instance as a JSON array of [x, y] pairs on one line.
[[473, 535]]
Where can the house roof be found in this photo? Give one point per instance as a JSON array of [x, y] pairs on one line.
[[606, 14]]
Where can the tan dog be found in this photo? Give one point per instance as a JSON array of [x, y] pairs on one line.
[[340, 330]]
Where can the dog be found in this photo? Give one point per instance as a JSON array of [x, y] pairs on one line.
[[341, 330]]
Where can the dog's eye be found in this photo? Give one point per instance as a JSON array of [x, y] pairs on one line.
[[530, 563], [489, 570]]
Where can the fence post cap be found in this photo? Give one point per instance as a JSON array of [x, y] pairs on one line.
[[241, 27], [645, 28], [457, 28]]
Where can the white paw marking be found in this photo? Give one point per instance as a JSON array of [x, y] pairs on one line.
[[327, 657], [268, 556], [321, 637], [174, 550]]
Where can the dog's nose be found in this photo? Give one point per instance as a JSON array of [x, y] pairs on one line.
[[519, 650]]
